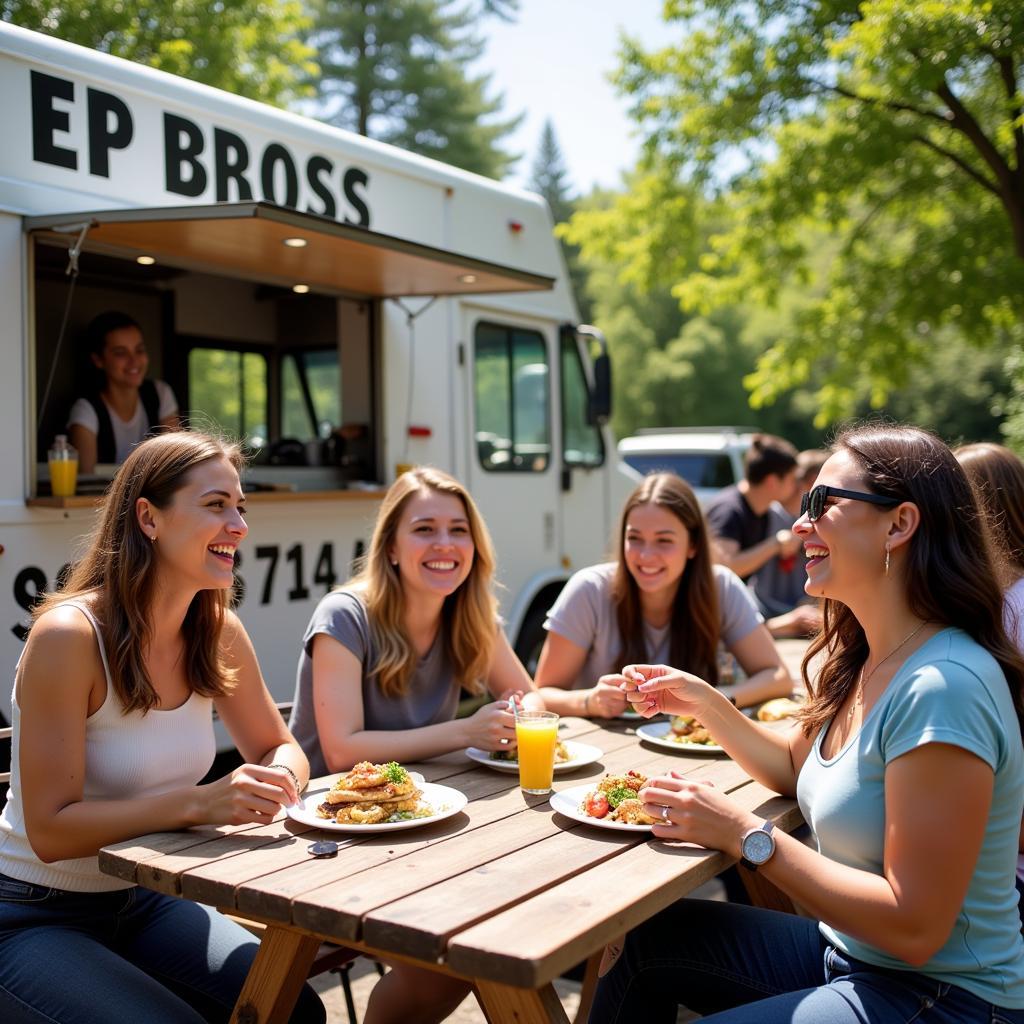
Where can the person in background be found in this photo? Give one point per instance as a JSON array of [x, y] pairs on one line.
[[907, 763], [997, 476], [112, 712], [662, 599], [126, 407], [739, 516], [385, 657], [778, 585]]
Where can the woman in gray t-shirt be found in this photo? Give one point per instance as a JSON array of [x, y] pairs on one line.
[[383, 661], [662, 600]]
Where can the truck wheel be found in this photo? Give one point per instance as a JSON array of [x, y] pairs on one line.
[[531, 639]]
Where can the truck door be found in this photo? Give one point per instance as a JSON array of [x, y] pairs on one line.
[[513, 469]]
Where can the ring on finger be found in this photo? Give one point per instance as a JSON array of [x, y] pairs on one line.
[[664, 816]]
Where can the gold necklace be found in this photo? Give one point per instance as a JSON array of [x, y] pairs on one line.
[[864, 679]]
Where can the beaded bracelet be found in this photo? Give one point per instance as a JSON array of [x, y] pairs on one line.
[[295, 778]]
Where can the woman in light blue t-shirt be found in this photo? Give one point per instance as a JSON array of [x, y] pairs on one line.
[[907, 762]]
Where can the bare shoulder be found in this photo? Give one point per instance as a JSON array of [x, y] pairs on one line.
[[61, 654], [233, 637]]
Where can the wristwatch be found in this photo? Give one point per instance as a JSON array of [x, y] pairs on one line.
[[757, 846]]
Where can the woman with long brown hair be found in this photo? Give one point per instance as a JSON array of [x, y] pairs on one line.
[[385, 657], [907, 763], [113, 730], [661, 599]]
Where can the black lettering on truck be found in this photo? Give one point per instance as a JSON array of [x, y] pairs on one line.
[[47, 120], [183, 143], [230, 161], [106, 134], [274, 155]]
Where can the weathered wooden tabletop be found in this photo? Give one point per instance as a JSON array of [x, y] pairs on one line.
[[506, 894]]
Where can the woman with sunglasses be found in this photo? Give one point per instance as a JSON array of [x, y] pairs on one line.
[[907, 762]]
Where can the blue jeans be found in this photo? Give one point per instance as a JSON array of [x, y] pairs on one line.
[[743, 965], [132, 956]]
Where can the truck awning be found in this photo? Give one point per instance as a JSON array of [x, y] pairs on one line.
[[259, 241]]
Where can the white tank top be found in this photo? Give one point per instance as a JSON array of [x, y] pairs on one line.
[[126, 756]]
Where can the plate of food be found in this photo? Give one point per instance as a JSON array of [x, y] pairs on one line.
[[612, 803], [779, 709], [377, 798], [680, 733], [569, 755]]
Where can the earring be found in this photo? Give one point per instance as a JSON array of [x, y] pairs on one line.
[[886, 559]]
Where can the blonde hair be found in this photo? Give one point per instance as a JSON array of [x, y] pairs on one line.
[[118, 571], [469, 616]]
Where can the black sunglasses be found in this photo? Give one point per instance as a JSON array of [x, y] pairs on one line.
[[812, 504]]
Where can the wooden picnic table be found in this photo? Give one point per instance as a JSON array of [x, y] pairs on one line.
[[506, 894]]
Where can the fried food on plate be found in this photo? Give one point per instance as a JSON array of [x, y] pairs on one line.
[[373, 793], [615, 799], [561, 754], [684, 729], [777, 709]]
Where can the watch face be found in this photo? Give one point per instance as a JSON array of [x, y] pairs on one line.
[[758, 846]]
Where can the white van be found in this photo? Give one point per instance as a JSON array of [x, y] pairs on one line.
[[345, 307]]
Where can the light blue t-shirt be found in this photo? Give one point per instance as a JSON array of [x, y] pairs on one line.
[[951, 690]]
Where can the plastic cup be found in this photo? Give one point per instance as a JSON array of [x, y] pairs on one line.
[[536, 735], [63, 476]]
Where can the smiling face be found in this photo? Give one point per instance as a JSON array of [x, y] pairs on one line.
[[200, 530], [433, 545], [124, 359], [656, 547], [845, 548]]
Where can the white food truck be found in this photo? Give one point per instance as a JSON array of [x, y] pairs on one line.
[[345, 307]]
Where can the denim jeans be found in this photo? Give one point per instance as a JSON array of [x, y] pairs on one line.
[[743, 965], [131, 956]]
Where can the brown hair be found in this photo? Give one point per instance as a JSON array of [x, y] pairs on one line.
[[470, 615], [997, 476], [118, 572], [951, 578], [694, 627], [768, 455]]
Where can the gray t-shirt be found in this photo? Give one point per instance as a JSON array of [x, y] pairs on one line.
[[585, 615], [432, 695]]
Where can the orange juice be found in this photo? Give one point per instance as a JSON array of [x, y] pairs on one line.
[[536, 733], [63, 461]]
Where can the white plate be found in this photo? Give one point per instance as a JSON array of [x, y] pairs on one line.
[[656, 733], [568, 802], [579, 755], [445, 801]]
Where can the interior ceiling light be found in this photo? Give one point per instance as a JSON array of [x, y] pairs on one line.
[[146, 261], [300, 289], [467, 278], [296, 243]]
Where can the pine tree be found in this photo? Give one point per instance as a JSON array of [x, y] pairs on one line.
[[549, 178], [398, 71]]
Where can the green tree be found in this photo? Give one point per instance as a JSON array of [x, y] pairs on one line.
[[550, 179], [895, 129], [398, 71], [249, 47]]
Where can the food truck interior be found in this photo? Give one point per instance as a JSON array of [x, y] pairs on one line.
[[290, 373]]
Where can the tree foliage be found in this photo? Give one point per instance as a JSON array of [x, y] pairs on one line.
[[398, 71], [892, 128], [550, 179], [249, 47]]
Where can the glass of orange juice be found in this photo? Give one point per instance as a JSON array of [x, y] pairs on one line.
[[536, 733]]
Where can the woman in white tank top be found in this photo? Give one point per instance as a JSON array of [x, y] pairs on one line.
[[112, 712]]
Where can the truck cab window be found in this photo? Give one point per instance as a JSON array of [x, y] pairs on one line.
[[310, 394], [513, 431], [581, 440], [229, 388]]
